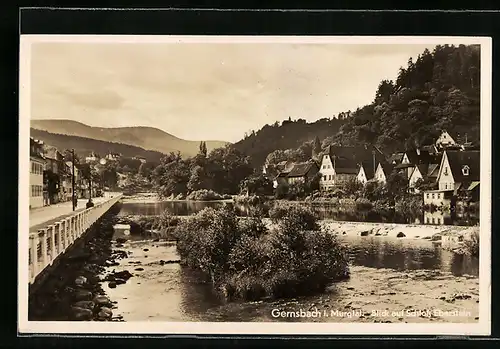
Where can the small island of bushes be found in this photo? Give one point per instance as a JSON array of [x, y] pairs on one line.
[[245, 258]]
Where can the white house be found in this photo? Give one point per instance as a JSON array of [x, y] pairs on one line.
[[340, 164], [445, 140], [458, 168], [437, 206], [37, 164], [422, 172], [93, 157], [383, 171], [366, 172]]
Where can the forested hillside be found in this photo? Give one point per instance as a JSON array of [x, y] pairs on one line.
[[290, 134], [437, 90], [84, 146]]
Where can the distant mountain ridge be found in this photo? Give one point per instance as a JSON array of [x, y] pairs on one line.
[[148, 138], [84, 146]]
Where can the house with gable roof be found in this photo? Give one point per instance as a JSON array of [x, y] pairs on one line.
[[458, 180], [302, 172], [384, 169], [340, 164]]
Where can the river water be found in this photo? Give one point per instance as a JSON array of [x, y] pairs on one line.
[[387, 273]]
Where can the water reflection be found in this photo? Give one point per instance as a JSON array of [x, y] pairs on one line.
[[406, 254], [178, 208]]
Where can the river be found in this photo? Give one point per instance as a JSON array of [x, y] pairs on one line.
[[414, 280]]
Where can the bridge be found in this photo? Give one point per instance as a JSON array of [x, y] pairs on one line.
[[54, 230]]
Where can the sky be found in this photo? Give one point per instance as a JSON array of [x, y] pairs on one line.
[[201, 91]]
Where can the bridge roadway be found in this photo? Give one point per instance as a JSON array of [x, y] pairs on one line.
[[54, 229]]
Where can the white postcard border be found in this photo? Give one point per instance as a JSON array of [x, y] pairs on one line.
[[482, 327]]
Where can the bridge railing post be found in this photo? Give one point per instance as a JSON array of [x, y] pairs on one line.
[[42, 237], [53, 252], [59, 243], [67, 224], [80, 224], [33, 257]]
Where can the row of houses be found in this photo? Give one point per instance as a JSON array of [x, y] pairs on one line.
[[451, 171], [51, 176]]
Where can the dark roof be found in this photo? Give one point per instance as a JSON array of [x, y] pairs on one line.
[[431, 149], [346, 170], [420, 156], [369, 170], [348, 159], [433, 170], [301, 169], [459, 159], [403, 166], [356, 154], [387, 167], [396, 158]]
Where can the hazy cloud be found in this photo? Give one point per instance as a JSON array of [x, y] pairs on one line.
[[207, 91]]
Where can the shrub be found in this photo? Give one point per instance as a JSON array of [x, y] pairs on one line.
[[206, 239], [471, 245], [165, 221], [204, 195], [363, 204], [246, 259], [293, 216]]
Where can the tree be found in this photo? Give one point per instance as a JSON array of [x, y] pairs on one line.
[[196, 180], [352, 186], [257, 184], [68, 156], [397, 185], [316, 148], [203, 149]]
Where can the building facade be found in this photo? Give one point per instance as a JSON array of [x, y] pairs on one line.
[[37, 165]]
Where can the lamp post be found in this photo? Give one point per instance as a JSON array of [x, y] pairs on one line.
[[73, 196]]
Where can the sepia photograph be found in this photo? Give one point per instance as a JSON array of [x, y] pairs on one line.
[[255, 185]]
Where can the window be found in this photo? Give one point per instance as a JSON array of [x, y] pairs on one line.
[[427, 195], [428, 220], [433, 195], [324, 178], [465, 170], [438, 220], [433, 220], [438, 195], [446, 170]]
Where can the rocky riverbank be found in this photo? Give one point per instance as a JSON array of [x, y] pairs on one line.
[[73, 291]]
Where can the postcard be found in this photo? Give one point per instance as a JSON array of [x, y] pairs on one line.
[[255, 185]]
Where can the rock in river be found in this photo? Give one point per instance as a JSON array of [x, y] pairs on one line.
[[81, 280], [105, 313], [83, 295], [102, 300], [112, 284], [85, 305], [81, 314]]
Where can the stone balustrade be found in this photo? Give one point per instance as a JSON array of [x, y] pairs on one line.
[[55, 239]]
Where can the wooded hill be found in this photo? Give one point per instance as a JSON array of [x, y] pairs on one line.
[[84, 146], [290, 134], [438, 90]]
